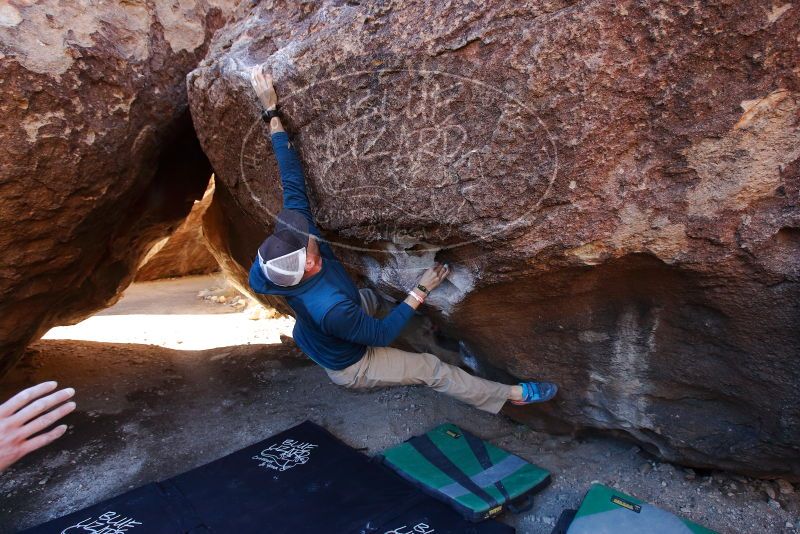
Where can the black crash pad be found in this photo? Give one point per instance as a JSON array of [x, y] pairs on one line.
[[303, 480]]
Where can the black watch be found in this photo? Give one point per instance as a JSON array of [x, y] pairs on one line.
[[268, 114]]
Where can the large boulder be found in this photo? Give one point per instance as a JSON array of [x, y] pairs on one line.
[[615, 184], [183, 253], [98, 158]]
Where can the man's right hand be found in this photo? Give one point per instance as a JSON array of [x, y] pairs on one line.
[[262, 85], [434, 276], [25, 415]]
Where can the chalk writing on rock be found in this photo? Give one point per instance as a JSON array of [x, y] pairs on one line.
[[447, 148]]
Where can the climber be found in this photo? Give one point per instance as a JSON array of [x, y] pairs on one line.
[[336, 324]]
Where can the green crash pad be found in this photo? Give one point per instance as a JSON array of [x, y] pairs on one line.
[[475, 477], [607, 511]]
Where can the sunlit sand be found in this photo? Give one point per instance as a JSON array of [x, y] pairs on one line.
[[182, 317]]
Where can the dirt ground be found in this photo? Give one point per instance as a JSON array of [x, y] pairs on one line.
[[146, 413]]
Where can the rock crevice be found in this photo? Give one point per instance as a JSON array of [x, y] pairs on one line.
[[99, 158]]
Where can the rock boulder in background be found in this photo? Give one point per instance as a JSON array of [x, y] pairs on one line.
[[614, 183], [98, 158], [183, 253]]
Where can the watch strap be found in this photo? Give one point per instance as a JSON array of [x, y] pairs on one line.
[[269, 114]]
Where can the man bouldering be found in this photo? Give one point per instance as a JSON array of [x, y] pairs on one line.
[[336, 324]]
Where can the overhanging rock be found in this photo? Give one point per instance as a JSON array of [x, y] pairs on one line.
[[615, 184]]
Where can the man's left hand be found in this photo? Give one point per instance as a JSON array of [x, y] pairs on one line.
[[262, 85]]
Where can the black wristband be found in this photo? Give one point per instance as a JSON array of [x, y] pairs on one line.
[[268, 114], [423, 289]]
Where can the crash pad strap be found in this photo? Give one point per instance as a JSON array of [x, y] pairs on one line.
[[493, 475], [478, 447], [425, 446]]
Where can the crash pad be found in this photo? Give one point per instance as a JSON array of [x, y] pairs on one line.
[[302, 480], [605, 510], [475, 477]]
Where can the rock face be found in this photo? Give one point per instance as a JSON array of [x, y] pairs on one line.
[[615, 185], [98, 158], [183, 253]]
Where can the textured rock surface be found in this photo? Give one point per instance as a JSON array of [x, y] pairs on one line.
[[98, 158], [183, 253], [614, 183]]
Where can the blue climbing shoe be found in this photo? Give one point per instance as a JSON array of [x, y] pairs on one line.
[[536, 392]]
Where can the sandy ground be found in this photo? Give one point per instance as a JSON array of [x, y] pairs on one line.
[[146, 413], [179, 314]]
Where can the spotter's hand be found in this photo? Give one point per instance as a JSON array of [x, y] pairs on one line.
[[26, 414]]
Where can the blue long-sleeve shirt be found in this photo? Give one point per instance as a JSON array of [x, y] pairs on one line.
[[331, 327]]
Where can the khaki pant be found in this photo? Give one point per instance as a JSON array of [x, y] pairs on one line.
[[387, 366]]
